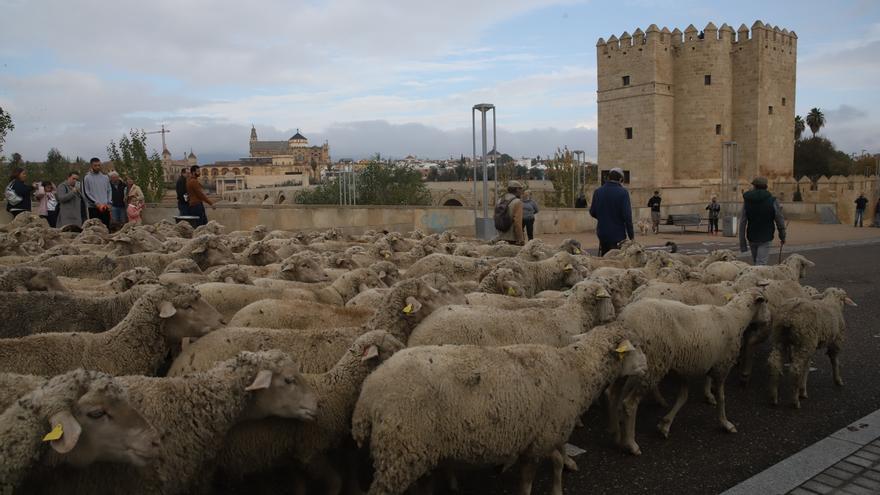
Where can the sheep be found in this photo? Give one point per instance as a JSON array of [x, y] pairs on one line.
[[91, 417], [559, 271], [388, 272], [722, 271], [454, 268], [534, 250], [274, 313], [716, 255], [139, 344], [801, 327], [483, 406], [504, 301], [256, 446], [134, 241], [587, 306], [631, 256], [318, 349], [28, 278], [212, 227], [193, 414], [120, 283], [13, 386], [230, 274], [258, 253], [302, 267], [689, 341], [183, 265], [33, 313], [690, 293], [620, 283], [793, 268]]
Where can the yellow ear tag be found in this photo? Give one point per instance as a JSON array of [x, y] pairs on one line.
[[408, 309], [668, 263], [623, 348], [510, 291], [387, 256], [55, 434], [577, 251], [728, 297]]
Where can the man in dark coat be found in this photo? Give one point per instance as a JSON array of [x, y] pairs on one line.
[[760, 212], [613, 212], [182, 198]]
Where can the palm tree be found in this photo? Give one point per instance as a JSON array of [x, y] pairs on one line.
[[815, 120], [799, 127]]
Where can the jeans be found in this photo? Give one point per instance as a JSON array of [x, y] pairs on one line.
[[199, 211], [860, 214], [760, 252], [103, 216], [713, 225], [529, 226], [655, 222], [118, 214]]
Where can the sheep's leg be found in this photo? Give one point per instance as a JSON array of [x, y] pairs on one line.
[[613, 395], [630, 410], [834, 355], [395, 471], [707, 390], [529, 466], [800, 365], [721, 377], [658, 397], [680, 399], [558, 459], [774, 362], [451, 479]]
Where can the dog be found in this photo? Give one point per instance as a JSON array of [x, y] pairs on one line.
[[644, 226]]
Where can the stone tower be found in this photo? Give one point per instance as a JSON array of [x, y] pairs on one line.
[[668, 100]]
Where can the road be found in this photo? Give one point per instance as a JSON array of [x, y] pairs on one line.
[[699, 458]]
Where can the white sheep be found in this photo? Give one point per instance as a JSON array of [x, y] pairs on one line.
[[800, 328], [29, 278], [483, 406], [793, 268], [298, 314], [557, 272]]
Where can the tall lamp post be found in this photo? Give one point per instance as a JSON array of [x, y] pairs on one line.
[[485, 226]]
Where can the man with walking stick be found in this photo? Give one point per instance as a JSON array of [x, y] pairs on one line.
[[760, 213]]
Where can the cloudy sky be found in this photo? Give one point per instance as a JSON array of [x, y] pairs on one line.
[[391, 76]]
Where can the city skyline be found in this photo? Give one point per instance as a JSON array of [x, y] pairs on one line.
[[392, 77]]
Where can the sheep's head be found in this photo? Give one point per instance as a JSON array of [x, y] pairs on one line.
[[183, 229], [183, 265], [259, 233], [184, 313], [415, 299], [230, 274], [635, 256], [365, 279], [342, 261], [799, 262], [44, 279], [278, 388], [96, 225], [633, 361], [136, 276], [91, 420], [303, 267], [260, 253], [212, 227], [571, 246], [466, 249], [596, 297], [375, 347], [209, 250], [570, 270], [387, 271], [757, 300], [534, 250], [839, 295], [416, 235]]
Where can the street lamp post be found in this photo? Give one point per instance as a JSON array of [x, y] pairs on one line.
[[485, 227]]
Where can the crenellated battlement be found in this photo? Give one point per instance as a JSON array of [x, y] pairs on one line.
[[725, 34]]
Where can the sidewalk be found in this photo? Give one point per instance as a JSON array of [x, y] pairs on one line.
[[847, 461], [798, 233]]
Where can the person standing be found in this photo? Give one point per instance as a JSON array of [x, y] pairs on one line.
[[861, 206], [118, 193], [714, 210], [135, 200], [182, 198], [877, 214], [71, 206], [759, 213], [654, 205], [509, 213], [581, 201], [196, 197], [18, 194], [612, 210], [530, 209], [48, 207], [97, 192]]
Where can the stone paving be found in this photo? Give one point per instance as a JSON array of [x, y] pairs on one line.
[[858, 474]]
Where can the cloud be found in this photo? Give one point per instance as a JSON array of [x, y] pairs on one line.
[[844, 113]]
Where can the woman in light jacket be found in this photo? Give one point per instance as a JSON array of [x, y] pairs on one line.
[[71, 207]]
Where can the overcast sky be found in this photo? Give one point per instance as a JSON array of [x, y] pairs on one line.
[[391, 76]]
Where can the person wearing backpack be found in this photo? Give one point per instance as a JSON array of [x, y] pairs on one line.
[[509, 215], [18, 194], [612, 210]]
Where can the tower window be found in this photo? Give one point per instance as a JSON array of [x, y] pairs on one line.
[[626, 80], [717, 129], [770, 110], [629, 132], [783, 101], [707, 79]]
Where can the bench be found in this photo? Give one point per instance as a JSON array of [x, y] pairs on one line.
[[685, 220]]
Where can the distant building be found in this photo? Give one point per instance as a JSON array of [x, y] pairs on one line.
[[172, 167]]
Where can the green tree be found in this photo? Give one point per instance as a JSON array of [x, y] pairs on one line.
[[815, 120], [56, 167], [799, 127], [6, 125], [130, 158], [377, 184], [433, 175], [560, 172], [817, 156]]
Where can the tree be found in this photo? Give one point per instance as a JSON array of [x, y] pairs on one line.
[[130, 159], [815, 120], [16, 161], [56, 167], [6, 125], [817, 156], [433, 174], [799, 127], [378, 184], [559, 171]]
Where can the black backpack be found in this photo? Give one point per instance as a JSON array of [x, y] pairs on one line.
[[503, 220]]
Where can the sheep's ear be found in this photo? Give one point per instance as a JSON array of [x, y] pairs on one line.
[[623, 348], [849, 302], [199, 249], [412, 306], [166, 309], [602, 294], [511, 291], [262, 381], [371, 352], [763, 283], [568, 268], [65, 432]]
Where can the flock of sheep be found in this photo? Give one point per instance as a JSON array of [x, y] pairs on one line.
[[163, 360]]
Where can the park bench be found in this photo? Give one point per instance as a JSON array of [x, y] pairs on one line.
[[685, 220]]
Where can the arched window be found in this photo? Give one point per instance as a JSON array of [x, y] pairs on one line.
[[213, 172], [247, 171], [236, 171]]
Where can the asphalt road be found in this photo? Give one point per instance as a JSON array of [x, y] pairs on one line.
[[699, 458]]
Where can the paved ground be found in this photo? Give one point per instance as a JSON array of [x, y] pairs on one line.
[[699, 458]]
